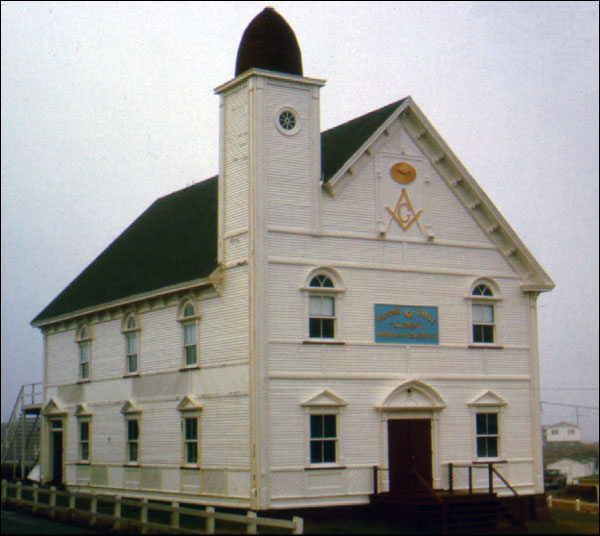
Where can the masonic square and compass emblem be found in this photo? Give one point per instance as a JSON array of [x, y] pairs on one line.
[[403, 213]]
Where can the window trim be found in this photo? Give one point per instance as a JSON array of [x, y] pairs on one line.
[[298, 125], [84, 420], [493, 301], [185, 321], [190, 408], [190, 416], [489, 402], [83, 338], [132, 411], [127, 333], [128, 442], [487, 411], [324, 403], [335, 293]]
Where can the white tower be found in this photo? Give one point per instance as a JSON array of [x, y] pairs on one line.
[[269, 178]]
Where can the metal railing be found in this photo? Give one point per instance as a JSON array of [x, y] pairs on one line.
[[21, 440], [45, 499], [453, 469]]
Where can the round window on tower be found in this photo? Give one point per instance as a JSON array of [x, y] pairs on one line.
[[287, 121]]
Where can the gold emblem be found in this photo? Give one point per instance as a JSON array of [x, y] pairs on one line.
[[404, 213], [403, 173]]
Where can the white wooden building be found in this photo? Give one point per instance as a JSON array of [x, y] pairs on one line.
[[331, 302], [574, 469], [562, 431]]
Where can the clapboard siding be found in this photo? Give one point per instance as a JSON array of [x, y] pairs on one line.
[[235, 174], [63, 358], [354, 209], [224, 432], [287, 167], [361, 251], [365, 288], [223, 333], [360, 422]]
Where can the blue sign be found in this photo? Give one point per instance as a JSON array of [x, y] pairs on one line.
[[406, 324]]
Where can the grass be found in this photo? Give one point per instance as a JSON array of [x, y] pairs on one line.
[[561, 522], [565, 522]]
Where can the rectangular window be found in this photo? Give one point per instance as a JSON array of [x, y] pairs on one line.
[[487, 435], [191, 440], [189, 343], [84, 441], [483, 323], [321, 317], [84, 360], [554, 432], [133, 437], [323, 438], [132, 353]]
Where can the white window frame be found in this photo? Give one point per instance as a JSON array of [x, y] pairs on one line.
[[84, 421], [131, 411], [297, 125], [322, 414], [131, 333], [83, 339], [130, 442], [325, 403], [189, 321], [188, 442], [190, 409], [334, 293], [489, 402], [487, 436], [487, 301]]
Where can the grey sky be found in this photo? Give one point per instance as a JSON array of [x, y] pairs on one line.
[[106, 107]]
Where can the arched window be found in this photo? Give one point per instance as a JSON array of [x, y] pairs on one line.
[[483, 314], [131, 332], [321, 309], [84, 342]]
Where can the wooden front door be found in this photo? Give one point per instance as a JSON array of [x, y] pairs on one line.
[[409, 450]]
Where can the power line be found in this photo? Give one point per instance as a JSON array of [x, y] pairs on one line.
[[568, 388], [568, 405]]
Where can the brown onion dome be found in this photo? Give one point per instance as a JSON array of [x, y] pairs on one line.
[[269, 43]]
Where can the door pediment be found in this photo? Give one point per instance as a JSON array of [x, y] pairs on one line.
[[412, 395]]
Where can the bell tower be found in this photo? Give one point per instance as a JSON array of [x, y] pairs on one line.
[[269, 183], [270, 145]]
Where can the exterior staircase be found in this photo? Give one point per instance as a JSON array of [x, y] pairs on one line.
[[451, 514], [452, 511], [21, 440]]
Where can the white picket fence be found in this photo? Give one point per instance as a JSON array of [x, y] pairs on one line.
[[577, 504], [14, 493]]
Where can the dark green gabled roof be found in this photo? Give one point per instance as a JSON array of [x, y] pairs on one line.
[[339, 144], [175, 240]]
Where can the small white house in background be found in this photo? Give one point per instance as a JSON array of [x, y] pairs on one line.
[[329, 303], [574, 469], [562, 431]]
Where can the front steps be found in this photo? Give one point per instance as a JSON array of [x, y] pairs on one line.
[[448, 513]]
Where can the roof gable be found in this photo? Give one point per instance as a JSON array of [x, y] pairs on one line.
[[563, 424], [365, 135], [341, 143], [173, 241]]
